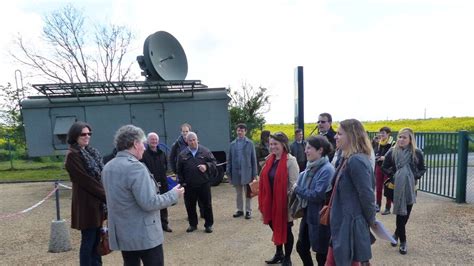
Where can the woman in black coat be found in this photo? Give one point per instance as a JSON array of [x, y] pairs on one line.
[[404, 164]]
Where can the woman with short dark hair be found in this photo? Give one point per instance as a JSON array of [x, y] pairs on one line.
[[384, 144], [84, 165], [277, 178], [311, 188]]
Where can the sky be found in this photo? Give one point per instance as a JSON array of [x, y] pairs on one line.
[[363, 59]]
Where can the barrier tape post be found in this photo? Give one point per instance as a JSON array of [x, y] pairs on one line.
[[60, 239], [58, 215]]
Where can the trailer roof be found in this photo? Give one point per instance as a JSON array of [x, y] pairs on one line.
[[80, 90]]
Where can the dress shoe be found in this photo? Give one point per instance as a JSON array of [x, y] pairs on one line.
[[286, 261], [248, 215], [277, 258], [403, 248], [238, 214], [191, 229], [167, 229], [396, 240], [208, 229]]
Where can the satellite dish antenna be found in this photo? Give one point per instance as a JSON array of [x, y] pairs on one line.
[[163, 58]]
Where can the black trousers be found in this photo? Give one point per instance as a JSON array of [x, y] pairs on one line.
[[191, 197], [402, 220], [303, 247], [149, 257]]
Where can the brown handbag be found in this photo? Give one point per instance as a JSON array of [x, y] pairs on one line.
[[252, 189], [103, 248], [326, 209]]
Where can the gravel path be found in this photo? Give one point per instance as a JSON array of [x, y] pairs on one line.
[[439, 231]]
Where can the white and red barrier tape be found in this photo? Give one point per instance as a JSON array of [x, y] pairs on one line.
[[64, 186], [10, 215]]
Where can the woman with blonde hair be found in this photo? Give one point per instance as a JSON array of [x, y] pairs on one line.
[[277, 179], [353, 203], [404, 164]]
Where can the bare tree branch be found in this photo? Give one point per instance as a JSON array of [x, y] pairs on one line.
[[69, 55]]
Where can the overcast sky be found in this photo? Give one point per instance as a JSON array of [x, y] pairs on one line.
[[370, 60]]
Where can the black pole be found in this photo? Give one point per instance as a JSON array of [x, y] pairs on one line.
[[58, 215], [299, 98]]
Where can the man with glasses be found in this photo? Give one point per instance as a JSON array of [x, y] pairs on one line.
[[325, 129]]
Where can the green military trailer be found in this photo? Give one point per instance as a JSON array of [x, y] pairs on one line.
[[158, 106]]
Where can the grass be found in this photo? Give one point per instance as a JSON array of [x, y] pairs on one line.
[[24, 171]]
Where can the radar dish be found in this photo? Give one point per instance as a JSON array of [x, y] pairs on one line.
[[163, 58]]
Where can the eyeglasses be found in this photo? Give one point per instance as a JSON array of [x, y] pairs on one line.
[[321, 122], [86, 134]]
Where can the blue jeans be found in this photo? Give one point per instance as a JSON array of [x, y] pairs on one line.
[[88, 252]]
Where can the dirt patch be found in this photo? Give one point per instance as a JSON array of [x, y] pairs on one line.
[[439, 232]]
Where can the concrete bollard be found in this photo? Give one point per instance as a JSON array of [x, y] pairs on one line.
[[60, 240]]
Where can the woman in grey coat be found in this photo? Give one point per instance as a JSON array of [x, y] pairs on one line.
[[134, 201], [353, 206], [404, 164]]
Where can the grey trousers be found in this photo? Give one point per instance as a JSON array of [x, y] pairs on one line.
[[241, 193]]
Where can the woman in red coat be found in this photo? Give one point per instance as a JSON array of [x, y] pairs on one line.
[[84, 165]]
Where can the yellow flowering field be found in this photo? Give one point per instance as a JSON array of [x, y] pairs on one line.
[[453, 124]]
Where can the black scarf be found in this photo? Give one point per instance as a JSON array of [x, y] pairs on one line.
[[92, 161]]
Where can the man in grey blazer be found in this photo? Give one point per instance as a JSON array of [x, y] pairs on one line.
[[241, 169], [134, 201]]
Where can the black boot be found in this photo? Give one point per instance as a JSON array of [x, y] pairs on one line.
[[286, 261], [277, 258]]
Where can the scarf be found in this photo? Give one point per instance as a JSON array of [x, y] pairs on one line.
[[388, 140], [307, 177], [404, 192], [92, 161], [274, 204]]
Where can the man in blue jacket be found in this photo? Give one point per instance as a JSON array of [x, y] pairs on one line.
[[242, 169]]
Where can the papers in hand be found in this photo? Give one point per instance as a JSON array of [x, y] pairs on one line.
[[379, 230]]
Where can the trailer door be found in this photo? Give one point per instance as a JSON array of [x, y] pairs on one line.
[[150, 117]]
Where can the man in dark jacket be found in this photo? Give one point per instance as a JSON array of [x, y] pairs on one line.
[[297, 149], [178, 146], [195, 165], [155, 160], [325, 129]]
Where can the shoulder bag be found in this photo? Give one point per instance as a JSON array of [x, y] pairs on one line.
[[326, 210]]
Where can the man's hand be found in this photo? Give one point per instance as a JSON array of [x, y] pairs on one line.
[[202, 167]]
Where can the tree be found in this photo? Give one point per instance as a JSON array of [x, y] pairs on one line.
[[11, 119], [248, 106], [72, 54]]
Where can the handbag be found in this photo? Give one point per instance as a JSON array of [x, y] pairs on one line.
[[326, 209], [252, 189], [389, 186], [103, 248], [295, 208]]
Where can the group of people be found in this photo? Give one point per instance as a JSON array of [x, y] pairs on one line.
[[131, 191], [332, 169], [346, 182]]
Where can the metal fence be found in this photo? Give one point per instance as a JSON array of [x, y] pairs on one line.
[[446, 160]]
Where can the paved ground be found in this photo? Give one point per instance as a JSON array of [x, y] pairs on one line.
[[440, 232]]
